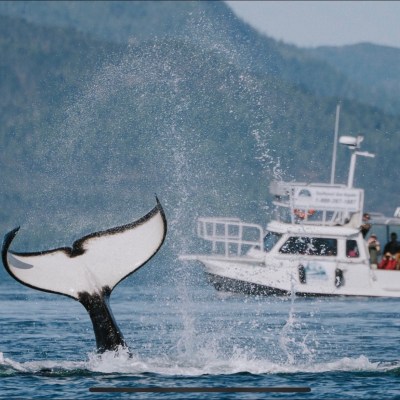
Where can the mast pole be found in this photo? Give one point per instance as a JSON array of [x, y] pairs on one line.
[[335, 143]]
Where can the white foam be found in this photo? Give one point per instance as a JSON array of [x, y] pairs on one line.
[[240, 362], [36, 366]]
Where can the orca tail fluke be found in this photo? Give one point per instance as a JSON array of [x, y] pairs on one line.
[[8, 238], [90, 269]]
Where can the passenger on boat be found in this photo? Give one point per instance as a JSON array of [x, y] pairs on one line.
[[302, 214], [388, 262], [366, 226], [352, 249], [374, 248], [393, 246]]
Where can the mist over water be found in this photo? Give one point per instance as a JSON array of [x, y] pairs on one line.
[[146, 125]]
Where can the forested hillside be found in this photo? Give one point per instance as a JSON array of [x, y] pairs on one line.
[[365, 73], [93, 125], [376, 69]]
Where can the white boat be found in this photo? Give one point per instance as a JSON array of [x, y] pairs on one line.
[[313, 245]]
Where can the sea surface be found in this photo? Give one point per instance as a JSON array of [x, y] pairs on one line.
[[185, 334]]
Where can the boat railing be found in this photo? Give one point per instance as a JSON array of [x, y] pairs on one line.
[[230, 236], [318, 203], [385, 224]]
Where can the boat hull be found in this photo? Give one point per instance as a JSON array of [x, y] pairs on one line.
[[232, 285], [256, 278], [224, 284]]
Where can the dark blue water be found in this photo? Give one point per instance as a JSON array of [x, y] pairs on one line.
[[189, 335]]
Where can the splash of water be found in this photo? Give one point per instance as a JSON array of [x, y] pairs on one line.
[[240, 362], [95, 169], [294, 349]]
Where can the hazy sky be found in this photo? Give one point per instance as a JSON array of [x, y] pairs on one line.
[[315, 23]]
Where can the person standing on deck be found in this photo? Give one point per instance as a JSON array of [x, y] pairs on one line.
[[374, 248], [366, 226], [393, 246]]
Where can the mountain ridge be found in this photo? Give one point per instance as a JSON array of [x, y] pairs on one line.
[[211, 21]]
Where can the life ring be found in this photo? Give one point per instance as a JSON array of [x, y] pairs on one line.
[[303, 214]]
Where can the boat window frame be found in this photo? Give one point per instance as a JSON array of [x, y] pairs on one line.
[[277, 237], [352, 245], [332, 247]]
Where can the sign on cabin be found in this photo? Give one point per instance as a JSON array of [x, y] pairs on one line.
[[327, 198]]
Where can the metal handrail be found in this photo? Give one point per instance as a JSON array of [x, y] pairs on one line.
[[230, 232]]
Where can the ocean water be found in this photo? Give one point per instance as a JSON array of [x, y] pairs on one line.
[[185, 334]]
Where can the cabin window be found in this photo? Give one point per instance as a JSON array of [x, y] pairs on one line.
[[310, 246], [270, 240], [352, 249]]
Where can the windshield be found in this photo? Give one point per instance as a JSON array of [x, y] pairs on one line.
[[310, 246], [270, 240]]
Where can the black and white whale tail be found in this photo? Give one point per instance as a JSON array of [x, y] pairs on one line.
[[90, 269]]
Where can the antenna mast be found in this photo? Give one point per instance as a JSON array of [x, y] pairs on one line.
[[335, 141]]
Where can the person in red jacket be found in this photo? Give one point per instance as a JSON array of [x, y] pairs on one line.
[[388, 262]]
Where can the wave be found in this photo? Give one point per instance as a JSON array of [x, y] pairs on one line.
[[124, 363]]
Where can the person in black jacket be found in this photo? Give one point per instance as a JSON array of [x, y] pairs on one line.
[[393, 246]]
